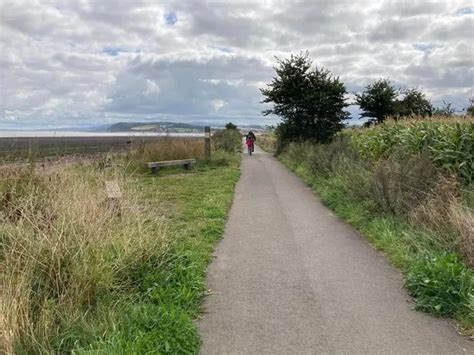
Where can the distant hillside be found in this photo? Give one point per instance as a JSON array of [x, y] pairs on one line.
[[168, 127], [154, 127]]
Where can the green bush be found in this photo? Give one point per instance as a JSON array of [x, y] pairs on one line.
[[229, 140], [441, 284]]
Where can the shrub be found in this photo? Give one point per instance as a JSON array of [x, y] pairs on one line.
[[400, 183], [229, 140], [230, 125], [440, 284], [325, 159]]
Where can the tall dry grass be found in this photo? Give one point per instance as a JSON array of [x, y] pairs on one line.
[[63, 247], [170, 149], [444, 213], [268, 142]]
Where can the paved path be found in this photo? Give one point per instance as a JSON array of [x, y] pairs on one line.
[[291, 278]]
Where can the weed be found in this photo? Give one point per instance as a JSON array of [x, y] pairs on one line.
[[441, 284]]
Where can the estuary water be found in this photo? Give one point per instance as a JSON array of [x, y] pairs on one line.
[[54, 134]]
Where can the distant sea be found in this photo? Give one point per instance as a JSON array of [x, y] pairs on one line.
[[52, 134]]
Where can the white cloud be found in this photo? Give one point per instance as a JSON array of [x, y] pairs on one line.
[[218, 104], [66, 62]]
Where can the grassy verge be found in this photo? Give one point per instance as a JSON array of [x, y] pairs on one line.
[[425, 235], [80, 277], [267, 142]]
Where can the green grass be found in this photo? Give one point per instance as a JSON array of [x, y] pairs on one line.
[[440, 283]]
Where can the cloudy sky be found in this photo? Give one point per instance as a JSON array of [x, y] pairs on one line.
[[67, 63]]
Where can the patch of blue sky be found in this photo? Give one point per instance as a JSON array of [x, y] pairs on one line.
[[423, 46], [465, 11], [112, 51], [171, 18]]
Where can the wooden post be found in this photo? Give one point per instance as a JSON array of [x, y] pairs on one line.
[[114, 196], [207, 142]]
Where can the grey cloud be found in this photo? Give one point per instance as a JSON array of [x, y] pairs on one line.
[[408, 8], [399, 29], [189, 86], [452, 27]]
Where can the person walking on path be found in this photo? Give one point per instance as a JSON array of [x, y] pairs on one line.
[[250, 141]]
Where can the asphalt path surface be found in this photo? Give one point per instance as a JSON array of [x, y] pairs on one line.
[[289, 277]]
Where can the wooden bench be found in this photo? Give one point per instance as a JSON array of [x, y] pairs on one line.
[[186, 163]]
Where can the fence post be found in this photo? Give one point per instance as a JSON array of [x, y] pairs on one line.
[[207, 142]]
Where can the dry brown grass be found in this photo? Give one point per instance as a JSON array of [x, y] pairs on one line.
[[267, 142], [62, 244], [171, 149], [444, 214]]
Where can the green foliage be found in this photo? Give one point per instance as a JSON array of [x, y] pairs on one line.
[[449, 144], [378, 100], [413, 103], [230, 125], [309, 100], [228, 140], [381, 100], [441, 284]]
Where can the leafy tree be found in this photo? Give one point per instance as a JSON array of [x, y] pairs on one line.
[[230, 125], [309, 100], [414, 102], [378, 101]]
